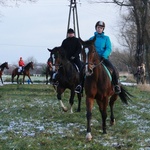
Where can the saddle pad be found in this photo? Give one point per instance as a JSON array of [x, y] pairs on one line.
[[108, 72]]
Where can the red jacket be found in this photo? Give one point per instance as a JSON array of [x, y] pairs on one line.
[[21, 63]]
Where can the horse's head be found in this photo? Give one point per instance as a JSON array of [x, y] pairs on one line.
[[6, 65], [31, 65], [89, 55], [55, 57]]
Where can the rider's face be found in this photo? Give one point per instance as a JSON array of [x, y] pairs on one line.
[[99, 29]]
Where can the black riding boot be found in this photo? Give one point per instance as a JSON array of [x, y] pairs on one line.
[[79, 87], [115, 82]]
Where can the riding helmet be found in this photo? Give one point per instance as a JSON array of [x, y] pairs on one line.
[[70, 31], [100, 23]]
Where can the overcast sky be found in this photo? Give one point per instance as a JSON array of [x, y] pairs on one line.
[[29, 29]]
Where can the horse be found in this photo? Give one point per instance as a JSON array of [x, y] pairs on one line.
[[97, 85], [67, 77], [2, 67], [49, 71], [140, 75], [26, 72]]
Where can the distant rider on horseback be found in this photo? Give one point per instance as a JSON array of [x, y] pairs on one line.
[[21, 65]]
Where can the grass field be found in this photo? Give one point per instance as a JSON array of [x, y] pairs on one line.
[[31, 119]]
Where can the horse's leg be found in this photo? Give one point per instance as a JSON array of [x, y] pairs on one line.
[[23, 78], [79, 102], [1, 80], [103, 109], [71, 100], [111, 104], [12, 77], [17, 79], [51, 75], [46, 78], [60, 90], [89, 106], [29, 78]]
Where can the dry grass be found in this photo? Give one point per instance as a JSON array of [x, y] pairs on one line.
[[144, 87]]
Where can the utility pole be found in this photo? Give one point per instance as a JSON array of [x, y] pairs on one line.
[[73, 10]]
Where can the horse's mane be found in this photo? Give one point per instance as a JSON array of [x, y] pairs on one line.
[[26, 66], [90, 43], [3, 64]]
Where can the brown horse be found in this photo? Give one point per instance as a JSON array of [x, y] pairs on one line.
[[26, 72], [140, 74], [49, 71], [67, 76], [2, 67], [98, 86]]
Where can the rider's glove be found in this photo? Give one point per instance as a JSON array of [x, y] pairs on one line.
[[72, 57]]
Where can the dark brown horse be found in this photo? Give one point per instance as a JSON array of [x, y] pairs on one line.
[[2, 67], [98, 86], [67, 76], [26, 72]]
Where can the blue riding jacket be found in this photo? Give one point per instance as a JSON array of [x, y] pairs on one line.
[[102, 45]]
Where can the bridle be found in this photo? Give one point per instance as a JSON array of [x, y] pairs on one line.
[[89, 66]]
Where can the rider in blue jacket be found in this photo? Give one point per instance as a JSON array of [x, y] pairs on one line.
[[103, 48]]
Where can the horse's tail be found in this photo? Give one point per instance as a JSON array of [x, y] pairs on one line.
[[125, 96], [12, 76]]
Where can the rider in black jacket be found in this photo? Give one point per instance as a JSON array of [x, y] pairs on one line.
[[72, 48]]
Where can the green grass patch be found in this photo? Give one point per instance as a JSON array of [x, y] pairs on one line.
[[31, 119]]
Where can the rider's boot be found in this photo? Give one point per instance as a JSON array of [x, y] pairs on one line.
[[116, 83]]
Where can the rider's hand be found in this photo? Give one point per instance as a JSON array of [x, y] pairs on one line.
[[72, 57]]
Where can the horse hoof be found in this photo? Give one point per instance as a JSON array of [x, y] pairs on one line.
[[88, 137], [65, 109], [112, 122]]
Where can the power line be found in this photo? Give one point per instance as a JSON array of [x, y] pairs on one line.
[[16, 45]]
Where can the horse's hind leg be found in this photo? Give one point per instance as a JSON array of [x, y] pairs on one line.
[[79, 102], [111, 104], [12, 78], [17, 79]]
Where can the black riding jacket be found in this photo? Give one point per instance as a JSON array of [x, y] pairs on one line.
[[72, 47]]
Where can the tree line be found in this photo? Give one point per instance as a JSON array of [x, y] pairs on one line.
[[134, 32]]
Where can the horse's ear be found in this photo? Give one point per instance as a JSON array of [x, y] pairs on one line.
[[49, 49], [81, 41]]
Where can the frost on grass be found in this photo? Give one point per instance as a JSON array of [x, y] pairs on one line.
[[24, 128]]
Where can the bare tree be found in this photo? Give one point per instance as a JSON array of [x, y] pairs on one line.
[[6, 3], [139, 11]]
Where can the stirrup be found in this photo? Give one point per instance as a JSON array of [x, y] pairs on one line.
[[117, 89], [55, 83], [78, 89]]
